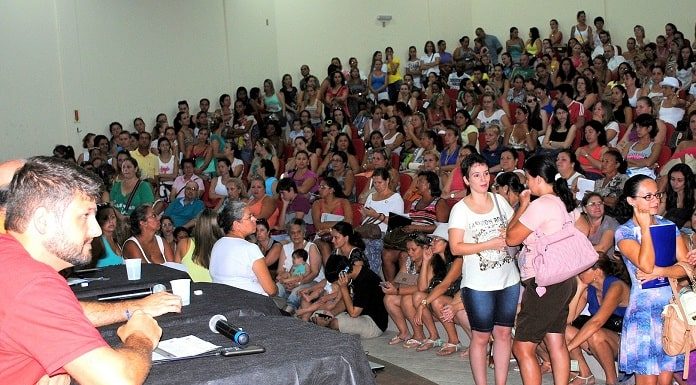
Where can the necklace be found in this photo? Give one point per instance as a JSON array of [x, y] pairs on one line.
[[448, 156]]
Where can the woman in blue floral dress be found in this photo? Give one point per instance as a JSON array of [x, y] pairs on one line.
[[641, 345]]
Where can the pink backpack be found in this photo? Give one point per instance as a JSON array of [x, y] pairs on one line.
[[561, 255]]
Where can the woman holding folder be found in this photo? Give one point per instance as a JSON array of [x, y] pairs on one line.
[[641, 343]]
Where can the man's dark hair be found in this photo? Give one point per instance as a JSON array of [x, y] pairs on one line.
[[286, 184], [47, 182]]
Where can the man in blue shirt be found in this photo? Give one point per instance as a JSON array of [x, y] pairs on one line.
[[184, 210], [492, 43]]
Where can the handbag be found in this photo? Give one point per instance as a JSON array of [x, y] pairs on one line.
[[369, 229], [678, 335], [562, 255], [395, 239]]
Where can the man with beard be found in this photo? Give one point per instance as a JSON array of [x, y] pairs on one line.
[[44, 332]]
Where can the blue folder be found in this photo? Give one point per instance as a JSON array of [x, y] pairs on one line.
[[664, 238]]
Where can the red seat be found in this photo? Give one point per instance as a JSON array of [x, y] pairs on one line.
[[452, 95], [665, 155], [405, 181], [578, 139], [357, 216], [482, 141], [395, 161], [281, 167], [354, 132], [512, 108], [361, 182], [520, 160], [359, 147], [670, 131], [622, 130]]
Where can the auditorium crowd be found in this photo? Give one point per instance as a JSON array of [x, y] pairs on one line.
[[411, 189]]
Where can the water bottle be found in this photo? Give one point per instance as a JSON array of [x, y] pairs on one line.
[[688, 301]]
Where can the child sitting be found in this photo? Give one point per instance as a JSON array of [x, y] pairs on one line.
[[300, 267]]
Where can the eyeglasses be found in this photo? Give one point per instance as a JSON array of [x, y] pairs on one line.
[[323, 186], [593, 204], [531, 100], [650, 196]]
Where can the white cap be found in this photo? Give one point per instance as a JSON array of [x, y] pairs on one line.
[[441, 231], [670, 82]]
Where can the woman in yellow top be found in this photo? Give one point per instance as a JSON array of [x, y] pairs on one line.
[[533, 44], [393, 74], [194, 252]]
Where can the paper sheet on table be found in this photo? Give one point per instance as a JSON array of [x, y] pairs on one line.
[[327, 217], [584, 185], [182, 347]]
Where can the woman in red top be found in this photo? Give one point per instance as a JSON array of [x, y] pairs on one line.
[[590, 154], [337, 93]]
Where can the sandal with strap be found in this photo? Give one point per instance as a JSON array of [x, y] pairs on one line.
[[589, 380], [397, 340], [428, 344], [412, 343], [448, 349]]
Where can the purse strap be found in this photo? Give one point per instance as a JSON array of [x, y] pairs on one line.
[[500, 212], [132, 193]]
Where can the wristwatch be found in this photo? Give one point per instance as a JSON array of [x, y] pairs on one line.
[[424, 302], [451, 197]]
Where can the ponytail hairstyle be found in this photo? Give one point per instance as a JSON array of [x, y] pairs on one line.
[[346, 229], [511, 180], [623, 211], [613, 266], [545, 167]]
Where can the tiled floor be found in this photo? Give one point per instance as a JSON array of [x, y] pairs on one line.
[[451, 370]]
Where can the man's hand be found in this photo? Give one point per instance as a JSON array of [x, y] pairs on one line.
[[143, 325], [159, 303]]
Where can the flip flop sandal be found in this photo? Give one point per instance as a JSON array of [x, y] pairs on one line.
[[397, 340], [448, 349], [428, 344], [412, 343]]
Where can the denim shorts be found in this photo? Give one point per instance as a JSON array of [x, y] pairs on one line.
[[489, 308]]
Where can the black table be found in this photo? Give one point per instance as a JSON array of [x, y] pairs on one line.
[[297, 352]]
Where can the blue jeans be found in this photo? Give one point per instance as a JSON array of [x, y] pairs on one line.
[[293, 297], [488, 308]]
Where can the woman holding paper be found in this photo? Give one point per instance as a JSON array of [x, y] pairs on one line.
[[641, 343]]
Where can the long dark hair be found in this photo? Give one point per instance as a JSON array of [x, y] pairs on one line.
[[346, 229], [623, 211], [688, 187], [545, 167]]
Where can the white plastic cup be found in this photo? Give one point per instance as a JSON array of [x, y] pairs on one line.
[[133, 267], [182, 288]]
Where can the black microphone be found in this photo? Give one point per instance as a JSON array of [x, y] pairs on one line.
[[132, 294], [218, 324]]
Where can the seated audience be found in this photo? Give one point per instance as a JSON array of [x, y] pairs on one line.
[[183, 211], [261, 205], [680, 200], [599, 226], [293, 205], [438, 283], [641, 154], [233, 260], [400, 304], [613, 170], [130, 191], [604, 289], [145, 244], [106, 250], [194, 251], [331, 207], [594, 144], [188, 168], [289, 285]]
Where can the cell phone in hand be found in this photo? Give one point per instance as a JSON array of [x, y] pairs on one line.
[[383, 284]]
